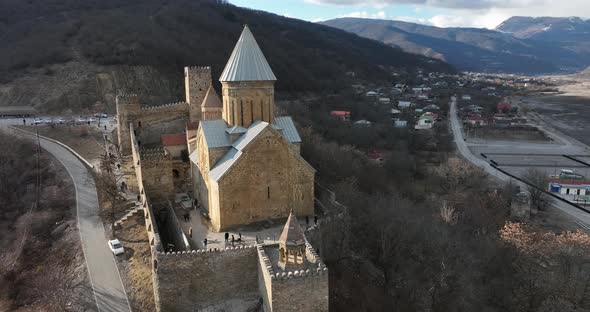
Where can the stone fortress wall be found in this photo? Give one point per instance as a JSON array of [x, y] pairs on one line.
[[194, 280], [148, 122]]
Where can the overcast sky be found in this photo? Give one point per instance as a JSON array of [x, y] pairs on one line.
[[441, 13]]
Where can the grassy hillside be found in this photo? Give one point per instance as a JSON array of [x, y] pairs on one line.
[[171, 34]]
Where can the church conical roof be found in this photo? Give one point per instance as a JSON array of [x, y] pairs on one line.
[[247, 63], [211, 99], [292, 234]]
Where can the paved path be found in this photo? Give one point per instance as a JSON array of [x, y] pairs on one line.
[[106, 281], [464, 150]]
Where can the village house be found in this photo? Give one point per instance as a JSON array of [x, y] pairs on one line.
[[573, 190], [400, 123], [476, 121], [341, 115], [404, 105]]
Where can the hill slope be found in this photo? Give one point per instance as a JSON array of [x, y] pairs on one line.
[[101, 35], [470, 48]]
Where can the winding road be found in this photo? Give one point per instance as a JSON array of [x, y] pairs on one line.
[[581, 216], [107, 285]]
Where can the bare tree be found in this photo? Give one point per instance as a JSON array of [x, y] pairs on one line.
[[538, 183], [107, 184]]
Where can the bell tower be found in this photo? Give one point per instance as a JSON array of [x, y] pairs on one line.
[[247, 84]]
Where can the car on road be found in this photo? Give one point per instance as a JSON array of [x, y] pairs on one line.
[[48, 121], [38, 121], [91, 119], [61, 121], [116, 247], [80, 120]]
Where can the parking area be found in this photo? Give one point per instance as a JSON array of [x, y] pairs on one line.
[[549, 164]]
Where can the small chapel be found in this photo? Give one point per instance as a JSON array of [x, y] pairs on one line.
[[245, 161]]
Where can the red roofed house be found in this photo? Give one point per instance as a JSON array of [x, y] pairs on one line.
[[377, 156], [504, 107], [174, 143], [476, 120], [342, 115]]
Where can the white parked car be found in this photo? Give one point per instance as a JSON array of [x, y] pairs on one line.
[[48, 121], [92, 119], [116, 247], [38, 121], [81, 120], [61, 121]]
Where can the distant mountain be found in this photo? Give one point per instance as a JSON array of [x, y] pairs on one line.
[[474, 49], [556, 29]]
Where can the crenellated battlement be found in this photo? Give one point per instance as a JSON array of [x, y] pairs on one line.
[[156, 153], [127, 95], [164, 106], [201, 251], [197, 67], [284, 276]]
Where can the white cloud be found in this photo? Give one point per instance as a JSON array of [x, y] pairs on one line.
[[470, 13], [365, 14], [412, 19]]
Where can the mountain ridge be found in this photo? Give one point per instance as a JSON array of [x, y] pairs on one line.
[[474, 49], [40, 36]]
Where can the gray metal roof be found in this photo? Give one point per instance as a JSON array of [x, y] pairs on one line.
[[253, 131], [289, 131], [215, 135], [247, 63], [224, 164], [236, 130], [236, 151]]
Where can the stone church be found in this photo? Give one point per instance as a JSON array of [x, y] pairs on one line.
[[246, 166]]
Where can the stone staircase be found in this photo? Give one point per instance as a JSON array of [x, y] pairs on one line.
[[137, 209]]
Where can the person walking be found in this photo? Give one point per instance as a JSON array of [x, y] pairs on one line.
[[239, 237], [226, 236], [24, 122], [315, 220], [190, 232], [205, 242], [232, 240], [307, 221]]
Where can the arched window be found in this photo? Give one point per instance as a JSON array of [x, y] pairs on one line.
[[175, 173]]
